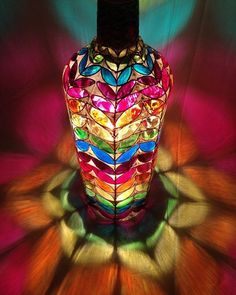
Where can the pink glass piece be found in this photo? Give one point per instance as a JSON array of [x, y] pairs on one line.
[[125, 166], [83, 82], [84, 157], [106, 90], [148, 80], [102, 104], [104, 167], [103, 176], [165, 79], [126, 176], [77, 92], [126, 89], [157, 72], [144, 167], [127, 102], [153, 91]]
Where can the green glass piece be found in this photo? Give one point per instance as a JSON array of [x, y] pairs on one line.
[[75, 222], [127, 143], [80, 133], [149, 134], [89, 192], [101, 144], [105, 202], [137, 58], [140, 196], [169, 186], [134, 246], [124, 203], [65, 202], [98, 58], [170, 207]]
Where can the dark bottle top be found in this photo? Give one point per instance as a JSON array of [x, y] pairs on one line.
[[117, 23]]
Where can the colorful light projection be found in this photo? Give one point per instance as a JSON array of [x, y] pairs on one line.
[[116, 104], [79, 18]]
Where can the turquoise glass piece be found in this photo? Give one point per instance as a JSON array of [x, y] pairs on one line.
[[83, 63], [89, 71], [83, 51], [141, 69], [108, 77], [82, 145], [124, 76], [127, 155], [147, 146], [150, 62], [103, 156]]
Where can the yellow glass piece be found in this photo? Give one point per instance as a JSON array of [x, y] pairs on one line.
[[78, 120], [128, 130], [97, 130], [103, 185], [101, 118], [154, 106], [128, 116], [112, 65], [89, 185], [125, 185], [125, 195], [104, 194], [142, 187]]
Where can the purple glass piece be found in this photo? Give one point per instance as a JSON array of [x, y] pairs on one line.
[[77, 92], [83, 82], [106, 90], [127, 102], [148, 80], [84, 157], [126, 89], [102, 166], [153, 91], [102, 104], [125, 166]]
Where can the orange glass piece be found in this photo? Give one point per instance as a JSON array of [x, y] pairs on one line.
[[106, 187], [126, 185], [128, 116]]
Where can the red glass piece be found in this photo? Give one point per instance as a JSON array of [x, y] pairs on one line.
[[157, 72], [106, 90], [145, 157], [126, 166], [84, 157], [83, 82], [141, 178], [165, 79], [144, 167], [125, 177], [103, 176], [153, 91], [73, 72], [77, 92], [66, 78], [148, 80], [127, 102], [85, 167], [87, 176], [126, 89]]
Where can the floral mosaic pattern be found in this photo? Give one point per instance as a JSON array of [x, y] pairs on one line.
[[116, 102]]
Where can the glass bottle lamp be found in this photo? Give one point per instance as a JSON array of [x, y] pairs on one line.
[[116, 92]]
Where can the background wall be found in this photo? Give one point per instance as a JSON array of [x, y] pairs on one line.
[[46, 251]]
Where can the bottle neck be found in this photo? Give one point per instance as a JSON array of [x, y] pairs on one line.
[[117, 23]]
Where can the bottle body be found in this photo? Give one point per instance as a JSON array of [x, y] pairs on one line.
[[116, 103]]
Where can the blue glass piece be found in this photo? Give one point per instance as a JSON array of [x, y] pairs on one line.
[[108, 77], [89, 71], [123, 209], [139, 202], [147, 146], [83, 51], [149, 49], [141, 69], [103, 156], [150, 62], [127, 155], [82, 145], [83, 63], [124, 76], [106, 208]]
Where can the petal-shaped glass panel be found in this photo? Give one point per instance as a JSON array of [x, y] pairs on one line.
[[102, 104]]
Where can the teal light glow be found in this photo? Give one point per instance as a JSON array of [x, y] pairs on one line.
[[168, 17]]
